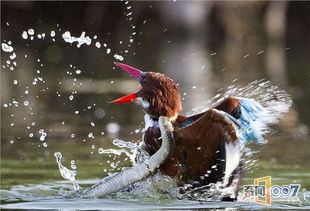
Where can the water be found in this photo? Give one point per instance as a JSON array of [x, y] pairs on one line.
[[157, 192], [57, 80], [133, 204], [59, 195], [65, 172]]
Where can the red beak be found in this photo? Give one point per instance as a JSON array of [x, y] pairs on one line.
[[126, 99], [134, 72]]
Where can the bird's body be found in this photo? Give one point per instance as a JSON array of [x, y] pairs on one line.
[[207, 149], [208, 145], [199, 140]]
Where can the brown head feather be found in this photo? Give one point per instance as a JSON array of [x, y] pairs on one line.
[[162, 94]]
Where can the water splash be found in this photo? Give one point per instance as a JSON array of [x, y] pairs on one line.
[[210, 192], [80, 40], [65, 172], [275, 102], [135, 153], [157, 186], [263, 91]]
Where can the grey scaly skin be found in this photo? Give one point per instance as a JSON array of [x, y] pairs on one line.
[[139, 171]]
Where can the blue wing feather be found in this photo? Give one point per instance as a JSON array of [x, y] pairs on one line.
[[252, 120]]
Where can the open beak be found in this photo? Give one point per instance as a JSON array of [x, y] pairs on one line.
[[134, 72]]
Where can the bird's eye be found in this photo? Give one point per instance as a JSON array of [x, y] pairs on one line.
[[142, 79]]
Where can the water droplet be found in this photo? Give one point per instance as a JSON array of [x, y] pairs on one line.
[[73, 166], [24, 35], [15, 103], [90, 135], [118, 57], [43, 134], [100, 150], [98, 45], [113, 127], [30, 31], [53, 33], [6, 47]]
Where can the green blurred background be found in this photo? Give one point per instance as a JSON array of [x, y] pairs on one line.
[[203, 46]]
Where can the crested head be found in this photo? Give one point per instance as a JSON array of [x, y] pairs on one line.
[[159, 94]]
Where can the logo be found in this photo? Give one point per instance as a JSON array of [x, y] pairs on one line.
[[262, 192]]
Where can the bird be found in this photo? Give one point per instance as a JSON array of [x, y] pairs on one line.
[[208, 145]]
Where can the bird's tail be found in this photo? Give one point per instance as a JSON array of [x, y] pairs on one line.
[[256, 117]]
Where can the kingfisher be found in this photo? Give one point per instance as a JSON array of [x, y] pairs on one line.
[[208, 145]]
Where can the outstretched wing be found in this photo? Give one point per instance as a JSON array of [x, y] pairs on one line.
[[251, 117]]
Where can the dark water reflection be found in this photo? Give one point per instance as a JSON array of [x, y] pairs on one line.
[[189, 41]]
